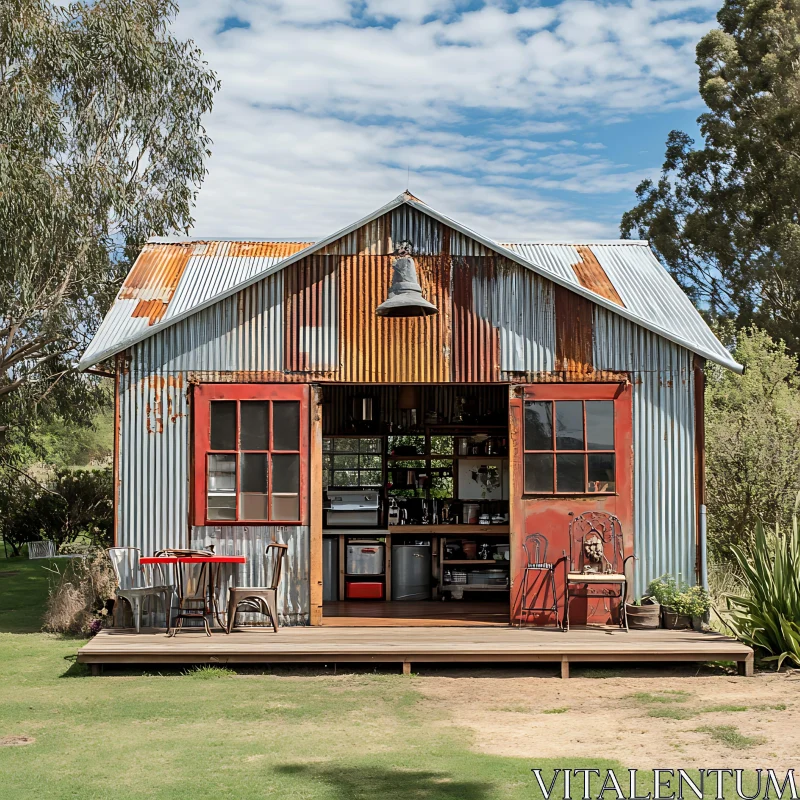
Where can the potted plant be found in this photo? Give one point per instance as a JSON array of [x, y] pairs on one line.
[[644, 615], [682, 605]]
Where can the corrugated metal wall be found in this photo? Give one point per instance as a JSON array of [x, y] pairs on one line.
[[154, 485], [316, 322], [663, 436]]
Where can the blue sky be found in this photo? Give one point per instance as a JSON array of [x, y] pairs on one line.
[[524, 120]]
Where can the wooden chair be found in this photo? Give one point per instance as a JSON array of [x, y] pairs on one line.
[[596, 558], [261, 599], [137, 582]]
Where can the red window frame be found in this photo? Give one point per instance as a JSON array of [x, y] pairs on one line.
[[580, 393], [203, 396]]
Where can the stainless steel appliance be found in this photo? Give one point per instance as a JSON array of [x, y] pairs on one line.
[[352, 507], [330, 568], [365, 558], [411, 572]]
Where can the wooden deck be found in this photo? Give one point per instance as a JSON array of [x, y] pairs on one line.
[[411, 645]]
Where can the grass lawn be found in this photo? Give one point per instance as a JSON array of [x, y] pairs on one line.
[[212, 733]]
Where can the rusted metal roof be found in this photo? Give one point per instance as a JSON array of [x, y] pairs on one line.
[[172, 280]]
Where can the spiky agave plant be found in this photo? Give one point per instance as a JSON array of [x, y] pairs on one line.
[[767, 617]]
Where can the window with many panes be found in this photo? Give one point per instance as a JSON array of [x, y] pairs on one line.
[[249, 455], [569, 447], [349, 462]]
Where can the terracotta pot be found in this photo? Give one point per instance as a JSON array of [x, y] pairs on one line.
[[644, 616], [676, 622]]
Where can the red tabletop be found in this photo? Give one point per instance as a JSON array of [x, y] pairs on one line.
[[193, 560]]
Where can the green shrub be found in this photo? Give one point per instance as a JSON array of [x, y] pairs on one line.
[[679, 597], [75, 506], [767, 615]]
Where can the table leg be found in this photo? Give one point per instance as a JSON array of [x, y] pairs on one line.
[[213, 585]]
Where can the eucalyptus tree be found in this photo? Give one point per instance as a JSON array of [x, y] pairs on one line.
[[724, 216], [102, 144]]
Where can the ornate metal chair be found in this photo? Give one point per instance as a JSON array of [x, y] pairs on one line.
[[261, 599], [596, 558], [138, 582], [539, 575]]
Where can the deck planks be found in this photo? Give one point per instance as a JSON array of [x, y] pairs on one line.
[[413, 644]]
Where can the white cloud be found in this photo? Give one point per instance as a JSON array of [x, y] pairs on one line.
[[322, 108]]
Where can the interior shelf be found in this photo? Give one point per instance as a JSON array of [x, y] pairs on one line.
[[452, 530], [475, 562]]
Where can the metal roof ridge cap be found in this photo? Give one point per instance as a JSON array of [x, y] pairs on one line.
[[581, 242]]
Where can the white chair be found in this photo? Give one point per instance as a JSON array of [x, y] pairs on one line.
[[43, 549], [138, 582]]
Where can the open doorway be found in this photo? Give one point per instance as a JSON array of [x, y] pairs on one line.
[[415, 483]]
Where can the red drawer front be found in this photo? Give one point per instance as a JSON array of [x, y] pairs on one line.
[[364, 590]]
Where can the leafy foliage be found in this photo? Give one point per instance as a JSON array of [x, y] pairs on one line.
[[767, 615], [77, 505], [101, 146], [723, 216], [679, 597], [752, 440]]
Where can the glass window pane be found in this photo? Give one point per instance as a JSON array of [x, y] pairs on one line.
[[539, 472], [602, 477], [569, 473], [599, 424], [253, 475], [370, 445], [344, 478], [254, 425], [370, 462], [285, 474], [407, 445], [345, 462], [569, 425], [286, 426], [539, 426], [371, 478], [286, 507], [223, 424], [221, 473], [285, 487], [222, 506], [345, 445], [253, 506], [327, 445], [442, 445]]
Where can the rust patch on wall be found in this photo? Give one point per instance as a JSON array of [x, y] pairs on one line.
[[476, 342], [372, 348], [265, 249], [574, 332], [592, 276]]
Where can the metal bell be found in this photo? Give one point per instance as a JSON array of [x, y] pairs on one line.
[[405, 294]]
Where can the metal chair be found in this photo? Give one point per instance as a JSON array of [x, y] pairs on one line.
[[194, 581], [596, 558], [537, 566], [137, 582], [262, 600]]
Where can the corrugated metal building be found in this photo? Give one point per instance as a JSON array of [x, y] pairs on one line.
[[266, 312]]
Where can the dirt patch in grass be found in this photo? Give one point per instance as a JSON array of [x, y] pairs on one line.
[[16, 741], [636, 718]]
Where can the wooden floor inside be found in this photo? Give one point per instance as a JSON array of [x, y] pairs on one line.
[[407, 645], [430, 613]]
